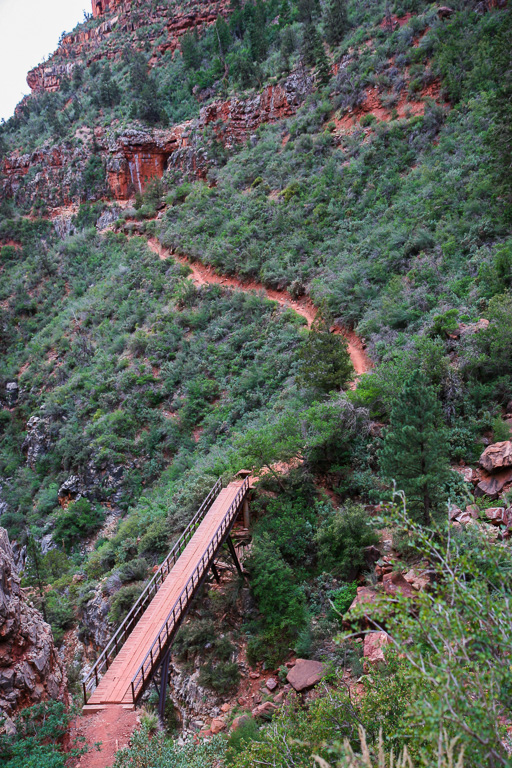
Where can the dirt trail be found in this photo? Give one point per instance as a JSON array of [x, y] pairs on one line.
[[112, 727], [205, 275]]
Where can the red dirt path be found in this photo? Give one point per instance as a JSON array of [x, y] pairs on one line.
[[205, 275], [112, 727]]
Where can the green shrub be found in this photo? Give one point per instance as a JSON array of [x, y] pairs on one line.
[[342, 599], [80, 519], [341, 540], [122, 601], [223, 677]]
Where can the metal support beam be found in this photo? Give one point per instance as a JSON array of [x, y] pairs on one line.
[[164, 681], [233, 554], [215, 573]]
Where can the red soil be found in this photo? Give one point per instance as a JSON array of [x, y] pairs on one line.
[[112, 727], [205, 275]]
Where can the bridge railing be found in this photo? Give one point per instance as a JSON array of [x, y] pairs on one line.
[[117, 641], [178, 610]]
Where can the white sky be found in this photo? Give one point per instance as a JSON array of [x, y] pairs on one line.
[[29, 32]]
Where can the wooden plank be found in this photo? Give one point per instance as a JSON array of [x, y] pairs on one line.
[[115, 686]]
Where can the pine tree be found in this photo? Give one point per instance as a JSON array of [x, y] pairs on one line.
[[310, 44], [336, 21], [324, 362], [414, 449], [323, 67]]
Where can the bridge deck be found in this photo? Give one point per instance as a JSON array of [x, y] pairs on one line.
[[115, 685]]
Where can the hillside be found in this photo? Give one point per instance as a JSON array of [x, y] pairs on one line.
[[272, 236]]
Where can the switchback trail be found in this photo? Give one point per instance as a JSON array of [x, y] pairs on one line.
[[205, 275]]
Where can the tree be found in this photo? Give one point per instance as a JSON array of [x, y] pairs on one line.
[[261, 447], [341, 540], [500, 108], [324, 362], [414, 451], [335, 21]]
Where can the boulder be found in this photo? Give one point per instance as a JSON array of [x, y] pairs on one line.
[[497, 456], [305, 674], [499, 516], [371, 555], [374, 645], [492, 485], [271, 683], [265, 710], [417, 579], [394, 583], [239, 721], [12, 391], [444, 12], [217, 725]]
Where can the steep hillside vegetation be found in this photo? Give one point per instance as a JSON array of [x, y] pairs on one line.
[[356, 156]]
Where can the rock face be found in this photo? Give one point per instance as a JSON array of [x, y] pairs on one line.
[[305, 674], [30, 669], [37, 441], [136, 156]]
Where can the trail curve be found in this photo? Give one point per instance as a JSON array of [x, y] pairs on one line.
[[205, 275]]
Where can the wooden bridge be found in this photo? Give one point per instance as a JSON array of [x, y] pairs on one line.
[[141, 646]]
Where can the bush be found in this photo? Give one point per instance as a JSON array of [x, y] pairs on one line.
[[341, 540], [122, 602], [80, 519], [223, 677], [342, 599]]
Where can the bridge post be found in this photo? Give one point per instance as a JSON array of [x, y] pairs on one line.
[[233, 554], [164, 681], [246, 514], [215, 573]]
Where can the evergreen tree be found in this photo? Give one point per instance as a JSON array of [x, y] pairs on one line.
[[323, 67], [500, 108], [336, 21], [414, 449], [310, 44], [190, 50], [324, 362]]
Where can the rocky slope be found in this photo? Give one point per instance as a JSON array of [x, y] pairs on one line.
[[30, 669]]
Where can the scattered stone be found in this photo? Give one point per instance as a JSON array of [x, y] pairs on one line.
[[265, 710], [473, 510], [395, 583], [254, 675], [417, 579], [239, 721], [374, 645], [271, 683], [305, 674], [217, 725]]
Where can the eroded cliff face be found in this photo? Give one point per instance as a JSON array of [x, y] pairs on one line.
[[135, 156], [124, 23], [30, 669]]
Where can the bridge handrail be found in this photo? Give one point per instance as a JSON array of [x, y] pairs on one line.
[[117, 641], [174, 616]]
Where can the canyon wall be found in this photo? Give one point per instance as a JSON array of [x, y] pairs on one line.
[[30, 669]]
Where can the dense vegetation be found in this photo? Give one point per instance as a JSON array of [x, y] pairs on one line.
[[146, 389]]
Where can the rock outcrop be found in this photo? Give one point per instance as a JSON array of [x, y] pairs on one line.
[[30, 669], [37, 440], [134, 157]]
